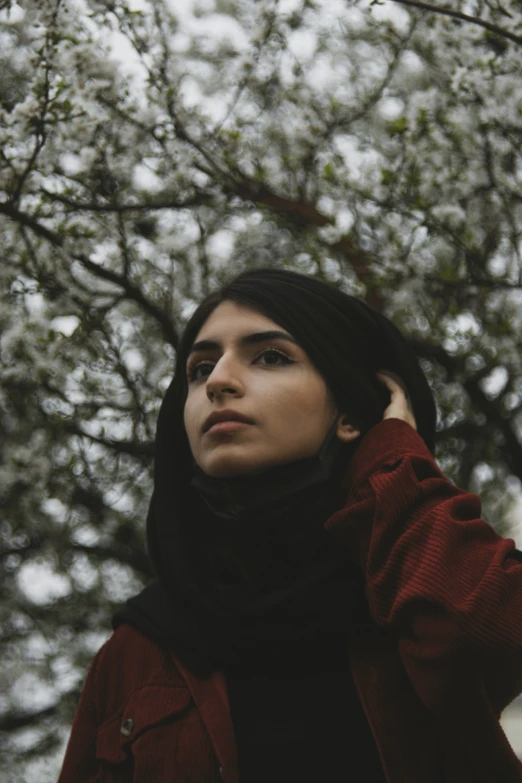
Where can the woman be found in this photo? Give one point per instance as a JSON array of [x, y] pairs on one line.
[[328, 606]]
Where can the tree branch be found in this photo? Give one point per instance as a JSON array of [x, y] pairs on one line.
[[308, 214], [135, 557], [512, 451], [492, 28], [136, 294], [8, 209], [128, 554], [132, 291], [92, 206], [144, 452], [464, 429], [238, 184], [492, 284], [11, 722]]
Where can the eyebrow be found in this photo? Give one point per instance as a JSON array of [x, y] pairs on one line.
[[247, 339]]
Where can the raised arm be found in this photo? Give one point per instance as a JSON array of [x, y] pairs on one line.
[[436, 573]]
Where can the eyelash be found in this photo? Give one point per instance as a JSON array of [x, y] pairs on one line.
[[191, 371]]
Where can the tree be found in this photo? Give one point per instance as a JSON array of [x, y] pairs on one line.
[[147, 155]]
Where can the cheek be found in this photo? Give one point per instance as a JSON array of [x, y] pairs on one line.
[[305, 401], [187, 417]]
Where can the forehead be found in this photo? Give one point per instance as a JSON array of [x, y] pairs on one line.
[[230, 318]]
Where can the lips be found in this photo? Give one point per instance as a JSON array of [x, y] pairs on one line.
[[226, 415]]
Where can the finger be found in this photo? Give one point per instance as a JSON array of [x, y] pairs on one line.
[[395, 384], [390, 381]]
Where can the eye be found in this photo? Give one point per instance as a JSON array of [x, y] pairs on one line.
[[192, 371], [280, 357]]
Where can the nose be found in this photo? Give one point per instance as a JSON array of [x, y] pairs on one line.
[[223, 379]]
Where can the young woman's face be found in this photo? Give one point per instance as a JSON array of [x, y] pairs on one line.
[[270, 381]]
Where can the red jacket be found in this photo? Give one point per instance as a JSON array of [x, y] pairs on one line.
[[433, 672]]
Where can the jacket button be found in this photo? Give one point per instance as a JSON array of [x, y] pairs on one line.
[[221, 773], [126, 727]]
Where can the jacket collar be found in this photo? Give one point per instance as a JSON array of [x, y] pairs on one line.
[[211, 698]]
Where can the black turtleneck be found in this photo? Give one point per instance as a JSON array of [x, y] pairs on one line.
[[297, 716], [295, 710]]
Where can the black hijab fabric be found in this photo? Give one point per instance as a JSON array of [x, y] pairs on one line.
[[245, 561], [276, 576]]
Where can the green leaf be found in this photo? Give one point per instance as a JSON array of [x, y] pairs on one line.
[[329, 172], [400, 125]]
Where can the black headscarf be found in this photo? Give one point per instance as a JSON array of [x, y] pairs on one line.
[[244, 561]]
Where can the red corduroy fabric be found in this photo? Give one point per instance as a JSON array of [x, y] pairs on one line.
[[438, 662]]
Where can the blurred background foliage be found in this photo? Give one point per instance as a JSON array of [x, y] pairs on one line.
[[150, 150]]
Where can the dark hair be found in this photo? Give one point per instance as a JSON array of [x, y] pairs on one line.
[[340, 334], [347, 341]]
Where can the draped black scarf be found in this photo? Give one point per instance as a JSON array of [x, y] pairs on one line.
[[276, 579]]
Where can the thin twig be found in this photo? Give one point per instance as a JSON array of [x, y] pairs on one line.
[[132, 290], [493, 28]]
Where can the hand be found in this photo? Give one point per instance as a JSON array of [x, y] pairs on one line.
[[400, 406]]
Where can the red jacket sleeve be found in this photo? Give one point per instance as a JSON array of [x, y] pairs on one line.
[[436, 574], [79, 764]]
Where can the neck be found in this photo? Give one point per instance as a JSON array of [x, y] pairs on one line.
[[297, 487]]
